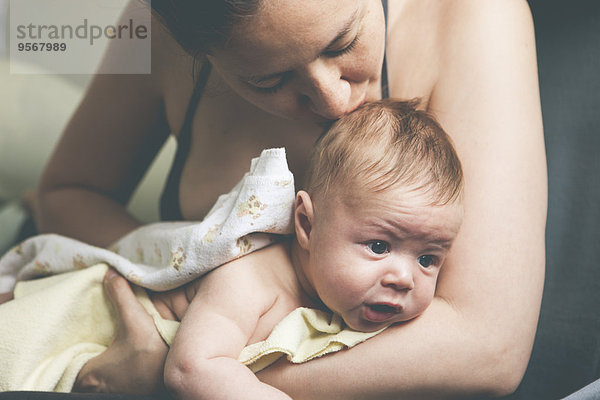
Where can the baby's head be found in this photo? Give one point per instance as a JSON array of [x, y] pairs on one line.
[[381, 207]]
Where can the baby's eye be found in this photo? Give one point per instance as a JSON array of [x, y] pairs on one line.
[[426, 261], [378, 247]]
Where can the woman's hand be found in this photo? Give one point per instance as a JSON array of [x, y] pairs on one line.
[[134, 362]]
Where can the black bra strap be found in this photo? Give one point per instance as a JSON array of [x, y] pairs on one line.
[[170, 209], [385, 91]]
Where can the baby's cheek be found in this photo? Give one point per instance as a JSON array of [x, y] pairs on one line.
[[426, 294]]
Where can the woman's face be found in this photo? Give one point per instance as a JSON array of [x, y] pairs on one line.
[[306, 59]]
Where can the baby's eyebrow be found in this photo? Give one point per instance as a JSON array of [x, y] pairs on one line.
[[443, 243], [399, 231]]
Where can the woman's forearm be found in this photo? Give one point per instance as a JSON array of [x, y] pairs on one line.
[[83, 214], [103, 153], [440, 355]]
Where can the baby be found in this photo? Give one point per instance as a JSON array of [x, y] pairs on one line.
[[380, 210]]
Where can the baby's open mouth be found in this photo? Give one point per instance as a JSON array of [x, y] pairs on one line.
[[381, 312], [384, 308]]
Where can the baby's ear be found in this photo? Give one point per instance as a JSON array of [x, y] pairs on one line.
[[303, 218]]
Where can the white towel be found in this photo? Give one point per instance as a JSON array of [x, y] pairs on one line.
[[166, 255]]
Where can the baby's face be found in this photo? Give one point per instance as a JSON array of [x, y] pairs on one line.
[[375, 261]]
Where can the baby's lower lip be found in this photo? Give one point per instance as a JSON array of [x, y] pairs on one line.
[[378, 313]]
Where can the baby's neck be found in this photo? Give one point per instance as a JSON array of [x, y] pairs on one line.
[[300, 259]]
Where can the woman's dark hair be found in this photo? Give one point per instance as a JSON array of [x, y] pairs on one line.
[[199, 25]]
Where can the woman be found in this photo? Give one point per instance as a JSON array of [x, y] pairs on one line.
[[274, 76]]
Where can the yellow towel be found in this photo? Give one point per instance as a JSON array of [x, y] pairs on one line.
[[302, 335], [56, 324], [52, 328]]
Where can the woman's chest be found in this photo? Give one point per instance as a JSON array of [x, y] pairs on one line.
[[226, 133]]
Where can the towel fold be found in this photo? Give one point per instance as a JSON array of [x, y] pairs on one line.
[[56, 324]]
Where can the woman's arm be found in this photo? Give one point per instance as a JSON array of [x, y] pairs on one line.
[[99, 160], [103, 153], [476, 337]]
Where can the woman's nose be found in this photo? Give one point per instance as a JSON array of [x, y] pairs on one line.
[[399, 276], [325, 90]]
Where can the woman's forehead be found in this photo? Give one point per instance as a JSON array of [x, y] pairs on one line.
[[287, 29], [297, 17]]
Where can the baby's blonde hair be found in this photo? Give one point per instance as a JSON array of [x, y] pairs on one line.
[[382, 145]]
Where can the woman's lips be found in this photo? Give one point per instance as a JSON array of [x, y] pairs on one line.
[[360, 103]]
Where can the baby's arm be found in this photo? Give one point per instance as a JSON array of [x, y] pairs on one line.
[[221, 319]]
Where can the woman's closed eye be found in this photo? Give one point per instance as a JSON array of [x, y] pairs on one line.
[[347, 49], [270, 85], [378, 247], [273, 84]]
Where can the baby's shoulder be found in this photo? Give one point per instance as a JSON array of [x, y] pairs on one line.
[[254, 274], [261, 261]]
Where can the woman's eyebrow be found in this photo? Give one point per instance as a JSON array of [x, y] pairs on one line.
[[340, 35], [345, 29]]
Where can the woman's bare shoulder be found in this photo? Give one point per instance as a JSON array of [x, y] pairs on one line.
[[482, 10], [485, 47], [432, 42], [483, 24]]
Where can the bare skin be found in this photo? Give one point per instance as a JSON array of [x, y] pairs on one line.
[[474, 65]]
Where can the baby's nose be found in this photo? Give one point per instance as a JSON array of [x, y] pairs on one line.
[[399, 277]]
